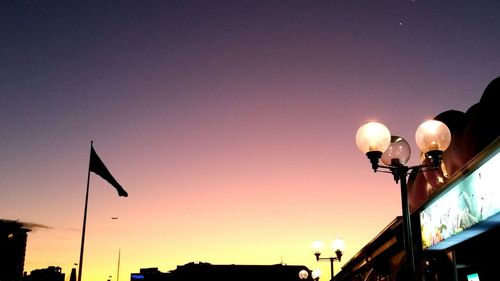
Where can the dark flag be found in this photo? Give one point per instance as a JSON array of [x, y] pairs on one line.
[[98, 167]]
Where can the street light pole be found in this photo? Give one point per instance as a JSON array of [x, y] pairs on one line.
[[337, 245], [407, 237], [331, 259], [375, 140]]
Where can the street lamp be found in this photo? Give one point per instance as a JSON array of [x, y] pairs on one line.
[[315, 274], [374, 139], [303, 274], [338, 246]]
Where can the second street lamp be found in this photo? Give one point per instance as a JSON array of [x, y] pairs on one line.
[[432, 138], [338, 246], [315, 274]]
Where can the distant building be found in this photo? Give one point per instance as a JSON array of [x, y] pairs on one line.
[[206, 271], [149, 274], [51, 273], [13, 236], [72, 277]]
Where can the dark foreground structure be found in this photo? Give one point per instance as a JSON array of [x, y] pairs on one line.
[[207, 271], [13, 236], [455, 211], [51, 273]]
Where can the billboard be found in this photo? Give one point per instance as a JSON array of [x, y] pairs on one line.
[[469, 201]]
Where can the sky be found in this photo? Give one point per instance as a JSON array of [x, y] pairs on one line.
[[231, 124]]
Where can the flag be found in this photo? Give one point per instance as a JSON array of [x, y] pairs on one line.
[[98, 167]]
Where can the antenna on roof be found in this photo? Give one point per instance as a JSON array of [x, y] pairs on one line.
[[282, 262]]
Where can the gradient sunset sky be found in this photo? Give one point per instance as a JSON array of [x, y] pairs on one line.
[[231, 124]]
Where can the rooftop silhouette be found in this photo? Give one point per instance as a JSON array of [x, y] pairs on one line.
[[207, 271]]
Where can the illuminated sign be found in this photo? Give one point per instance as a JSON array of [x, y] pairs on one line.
[[137, 276], [473, 277], [471, 200]]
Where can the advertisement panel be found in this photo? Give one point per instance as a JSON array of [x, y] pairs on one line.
[[473, 199]]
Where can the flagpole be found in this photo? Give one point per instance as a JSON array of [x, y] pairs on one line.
[[84, 221], [118, 271]]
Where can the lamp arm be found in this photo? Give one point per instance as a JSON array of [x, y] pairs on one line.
[[411, 169], [328, 259], [385, 167]]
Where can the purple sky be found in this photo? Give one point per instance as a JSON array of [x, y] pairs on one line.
[[195, 97]]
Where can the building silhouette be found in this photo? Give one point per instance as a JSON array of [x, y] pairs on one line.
[[72, 277], [206, 271], [51, 273], [13, 237]]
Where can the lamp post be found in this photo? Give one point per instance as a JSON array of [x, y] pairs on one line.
[[374, 139], [338, 246]]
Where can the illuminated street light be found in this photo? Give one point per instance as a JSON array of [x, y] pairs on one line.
[[315, 274], [338, 247], [374, 139], [303, 274]]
